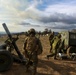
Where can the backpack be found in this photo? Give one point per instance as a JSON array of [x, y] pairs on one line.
[[33, 44]]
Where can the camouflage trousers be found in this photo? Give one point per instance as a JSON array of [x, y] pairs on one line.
[[34, 59]]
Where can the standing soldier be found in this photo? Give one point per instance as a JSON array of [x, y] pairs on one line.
[[56, 46], [32, 48], [51, 37]]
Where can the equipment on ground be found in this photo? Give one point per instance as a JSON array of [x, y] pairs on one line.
[[6, 57], [69, 48]]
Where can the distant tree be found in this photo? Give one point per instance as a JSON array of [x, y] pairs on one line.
[[40, 33], [45, 31], [49, 31], [73, 30]]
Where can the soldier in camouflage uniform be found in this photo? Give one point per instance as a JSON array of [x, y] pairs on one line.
[[32, 48], [56, 46], [51, 37], [8, 42]]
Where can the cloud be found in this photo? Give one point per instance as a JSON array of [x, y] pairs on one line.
[[28, 24], [63, 27], [18, 10], [54, 15], [61, 8], [58, 17]]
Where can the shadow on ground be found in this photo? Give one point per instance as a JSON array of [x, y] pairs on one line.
[[63, 68]]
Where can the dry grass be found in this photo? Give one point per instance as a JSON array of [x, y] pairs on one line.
[[45, 67]]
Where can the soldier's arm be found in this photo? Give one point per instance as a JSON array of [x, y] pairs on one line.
[[52, 41], [60, 44], [24, 48]]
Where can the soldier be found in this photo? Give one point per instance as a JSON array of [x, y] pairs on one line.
[[51, 36], [9, 45], [51, 39], [58, 45], [32, 48], [55, 46], [8, 42]]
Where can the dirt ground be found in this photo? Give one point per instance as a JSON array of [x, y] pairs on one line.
[[45, 66]]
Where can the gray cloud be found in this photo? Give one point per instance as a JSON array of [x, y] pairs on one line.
[[66, 27], [63, 27], [24, 23], [58, 17], [28, 24]]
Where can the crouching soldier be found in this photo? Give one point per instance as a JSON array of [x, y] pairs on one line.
[[32, 48]]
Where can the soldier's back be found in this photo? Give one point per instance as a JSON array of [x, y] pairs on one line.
[[31, 43]]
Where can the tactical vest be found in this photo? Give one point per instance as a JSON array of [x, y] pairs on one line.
[[33, 44]]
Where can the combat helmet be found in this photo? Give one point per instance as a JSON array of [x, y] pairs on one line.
[[32, 31], [59, 35]]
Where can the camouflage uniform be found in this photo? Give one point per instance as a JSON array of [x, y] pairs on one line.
[[55, 46], [8, 42], [32, 45], [9, 45], [51, 40]]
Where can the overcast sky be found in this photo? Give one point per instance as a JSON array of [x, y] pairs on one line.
[[21, 15]]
